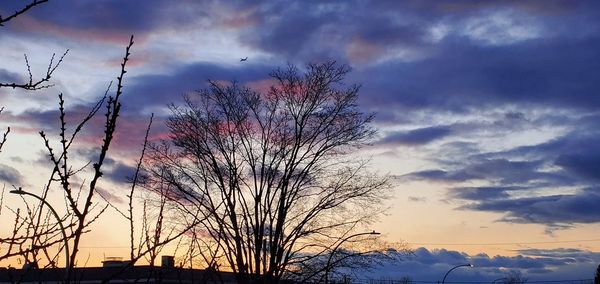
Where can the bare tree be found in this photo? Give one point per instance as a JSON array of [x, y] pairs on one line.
[[38, 237], [34, 229], [151, 233], [273, 175], [597, 276], [35, 232]]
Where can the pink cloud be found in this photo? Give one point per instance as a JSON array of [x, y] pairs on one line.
[[109, 196], [262, 86], [360, 51], [239, 20], [30, 24]]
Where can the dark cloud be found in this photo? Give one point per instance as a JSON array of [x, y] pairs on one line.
[[584, 165], [462, 76], [466, 7], [10, 175], [290, 32], [525, 183], [416, 137], [110, 20], [581, 140], [568, 253], [49, 119], [439, 175], [8, 77], [505, 171], [502, 171], [483, 193], [303, 31], [456, 74], [566, 209], [120, 173], [160, 90]]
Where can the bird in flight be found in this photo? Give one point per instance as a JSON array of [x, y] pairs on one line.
[[244, 59]]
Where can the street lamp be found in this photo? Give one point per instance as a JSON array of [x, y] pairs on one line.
[[503, 278], [460, 265], [338, 245], [62, 228]]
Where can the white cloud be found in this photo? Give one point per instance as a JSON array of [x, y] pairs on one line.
[[501, 28], [426, 265]]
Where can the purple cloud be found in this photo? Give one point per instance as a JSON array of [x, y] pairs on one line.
[[534, 264], [518, 178], [483, 192], [10, 175], [160, 90], [416, 137], [561, 209]]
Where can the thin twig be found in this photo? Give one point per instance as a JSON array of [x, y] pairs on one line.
[[133, 185], [40, 83], [3, 20]]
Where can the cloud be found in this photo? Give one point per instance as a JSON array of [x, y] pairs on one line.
[[460, 77], [8, 77], [463, 8], [106, 20], [110, 197], [584, 165], [372, 31], [483, 192], [554, 183], [417, 199], [501, 28], [502, 171], [10, 175], [117, 166], [289, 33], [120, 173], [416, 137], [485, 77], [561, 209], [438, 175], [571, 254], [534, 264], [308, 32], [157, 91]]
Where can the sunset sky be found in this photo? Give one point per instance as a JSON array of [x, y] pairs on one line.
[[488, 112]]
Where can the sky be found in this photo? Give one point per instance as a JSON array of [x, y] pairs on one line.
[[488, 112]]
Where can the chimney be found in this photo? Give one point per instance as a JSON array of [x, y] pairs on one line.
[[114, 262], [167, 261]]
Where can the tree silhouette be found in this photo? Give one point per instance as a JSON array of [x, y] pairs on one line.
[[273, 174], [36, 237], [33, 231], [597, 277]]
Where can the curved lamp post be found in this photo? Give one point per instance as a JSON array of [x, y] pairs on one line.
[[338, 245], [460, 265], [62, 228], [503, 278]]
